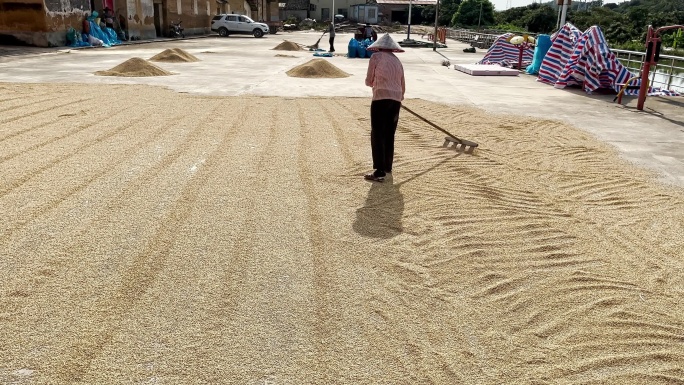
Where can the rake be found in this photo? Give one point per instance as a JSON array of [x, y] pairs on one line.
[[461, 145]]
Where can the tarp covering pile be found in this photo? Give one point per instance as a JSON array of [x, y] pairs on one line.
[[592, 65], [584, 59], [506, 54], [562, 47]]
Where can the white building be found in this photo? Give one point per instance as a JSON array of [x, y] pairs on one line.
[[323, 9]]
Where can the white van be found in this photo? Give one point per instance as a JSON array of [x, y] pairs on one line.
[[237, 24]]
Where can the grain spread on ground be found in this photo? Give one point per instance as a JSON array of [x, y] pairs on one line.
[[281, 55], [135, 67], [288, 46], [179, 239], [317, 68], [174, 55]]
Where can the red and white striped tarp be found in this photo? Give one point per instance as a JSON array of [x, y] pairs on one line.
[[592, 64], [585, 59], [506, 54], [562, 47]]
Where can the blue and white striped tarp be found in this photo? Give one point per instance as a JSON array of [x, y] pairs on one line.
[[506, 54], [592, 64], [584, 59], [562, 47]]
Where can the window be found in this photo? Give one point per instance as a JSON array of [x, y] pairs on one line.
[[179, 6], [194, 7], [216, 18], [231, 18], [371, 13], [244, 19]]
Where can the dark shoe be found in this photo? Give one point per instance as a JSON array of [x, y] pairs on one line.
[[374, 177]]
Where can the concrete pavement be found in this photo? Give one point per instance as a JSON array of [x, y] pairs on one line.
[[244, 65]]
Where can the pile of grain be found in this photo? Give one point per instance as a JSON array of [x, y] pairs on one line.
[[174, 55], [135, 67], [288, 46], [317, 68]]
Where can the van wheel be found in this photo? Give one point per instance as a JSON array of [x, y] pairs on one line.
[[223, 32], [258, 33]]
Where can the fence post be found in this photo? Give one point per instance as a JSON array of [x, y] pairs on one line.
[[669, 76]]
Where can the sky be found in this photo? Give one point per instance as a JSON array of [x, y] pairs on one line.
[[502, 5]]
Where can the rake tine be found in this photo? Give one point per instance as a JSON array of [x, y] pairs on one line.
[[460, 145], [466, 145]]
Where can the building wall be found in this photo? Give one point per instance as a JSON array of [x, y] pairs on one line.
[[45, 22], [341, 7], [23, 21]]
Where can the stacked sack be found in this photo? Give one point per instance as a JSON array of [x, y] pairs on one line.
[[357, 49]]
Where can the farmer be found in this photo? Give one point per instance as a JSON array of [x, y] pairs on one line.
[[331, 34], [368, 31], [386, 76], [108, 17]]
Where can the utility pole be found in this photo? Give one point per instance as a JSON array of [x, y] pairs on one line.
[[434, 46], [408, 36], [480, 19], [564, 12]]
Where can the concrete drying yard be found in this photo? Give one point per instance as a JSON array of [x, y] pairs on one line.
[[212, 226]]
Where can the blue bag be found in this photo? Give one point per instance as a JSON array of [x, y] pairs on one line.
[[351, 48], [361, 51]]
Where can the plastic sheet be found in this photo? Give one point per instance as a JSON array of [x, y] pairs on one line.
[[542, 47]]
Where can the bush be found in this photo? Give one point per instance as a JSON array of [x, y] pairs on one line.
[[508, 27], [633, 45]]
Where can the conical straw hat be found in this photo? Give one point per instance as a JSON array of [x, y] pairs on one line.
[[385, 42]]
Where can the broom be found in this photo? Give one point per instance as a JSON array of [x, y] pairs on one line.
[[315, 46]]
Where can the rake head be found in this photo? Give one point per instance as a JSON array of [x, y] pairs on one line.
[[459, 145]]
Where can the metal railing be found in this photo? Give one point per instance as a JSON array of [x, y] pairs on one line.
[[484, 38], [667, 74]]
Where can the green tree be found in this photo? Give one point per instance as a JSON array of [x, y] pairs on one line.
[[540, 19], [427, 14], [473, 13], [512, 16], [447, 10]]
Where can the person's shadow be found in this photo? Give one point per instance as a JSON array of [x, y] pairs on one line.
[[381, 215]]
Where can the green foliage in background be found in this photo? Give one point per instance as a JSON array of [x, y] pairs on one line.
[[472, 13], [624, 24]]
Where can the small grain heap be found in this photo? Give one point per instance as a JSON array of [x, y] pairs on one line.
[[287, 46], [135, 67], [317, 68], [174, 55]]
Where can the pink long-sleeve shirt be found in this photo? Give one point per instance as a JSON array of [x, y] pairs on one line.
[[386, 76]]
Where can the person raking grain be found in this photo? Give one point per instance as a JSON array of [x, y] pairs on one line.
[[386, 76]]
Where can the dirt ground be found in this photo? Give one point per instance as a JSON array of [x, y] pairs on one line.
[[232, 240]]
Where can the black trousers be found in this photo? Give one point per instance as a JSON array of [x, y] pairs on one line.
[[384, 119], [331, 40]]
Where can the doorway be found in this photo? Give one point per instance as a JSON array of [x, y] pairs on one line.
[[158, 19]]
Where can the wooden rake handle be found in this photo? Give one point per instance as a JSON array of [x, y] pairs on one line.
[[430, 123]]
